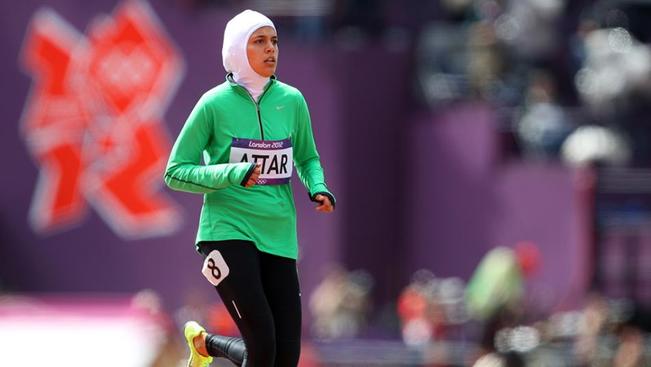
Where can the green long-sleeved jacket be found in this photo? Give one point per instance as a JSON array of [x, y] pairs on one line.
[[263, 214]]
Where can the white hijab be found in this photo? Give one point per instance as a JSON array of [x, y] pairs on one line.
[[236, 36]]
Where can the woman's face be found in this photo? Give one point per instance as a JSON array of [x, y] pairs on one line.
[[262, 51]]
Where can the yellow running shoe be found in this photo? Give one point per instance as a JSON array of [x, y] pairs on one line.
[[193, 329]]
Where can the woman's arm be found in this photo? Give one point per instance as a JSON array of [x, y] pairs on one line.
[[185, 171], [306, 157]]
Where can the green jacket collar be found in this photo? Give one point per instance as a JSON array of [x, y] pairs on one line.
[[245, 93]]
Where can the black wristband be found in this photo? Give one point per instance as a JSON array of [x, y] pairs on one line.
[[324, 193]]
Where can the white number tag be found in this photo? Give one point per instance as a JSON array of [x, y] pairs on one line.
[[215, 268]]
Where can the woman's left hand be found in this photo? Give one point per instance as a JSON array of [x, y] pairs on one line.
[[325, 205]]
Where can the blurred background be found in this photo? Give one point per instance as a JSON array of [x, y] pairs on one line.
[[491, 161]]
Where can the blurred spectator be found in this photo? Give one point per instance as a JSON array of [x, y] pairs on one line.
[[428, 306], [487, 61], [515, 59], [613, 63], [340, 303], [495, 291], [616, 65], [498, 280], [632, 330], [501, 46], [612, 332], [419, 311], [415, 308], [544, 125], [631, 348], [521, 19], [590, 327], [597, 145], [493, 72]]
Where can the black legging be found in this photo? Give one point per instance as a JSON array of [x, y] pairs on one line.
[[262, 295]]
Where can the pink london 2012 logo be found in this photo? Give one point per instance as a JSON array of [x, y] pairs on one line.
[[93, 120]]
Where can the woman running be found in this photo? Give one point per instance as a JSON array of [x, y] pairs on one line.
[[237, 148]]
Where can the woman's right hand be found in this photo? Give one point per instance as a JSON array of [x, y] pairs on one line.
[[254, 175]]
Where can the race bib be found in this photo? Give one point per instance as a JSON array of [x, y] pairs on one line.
[[274, 157]]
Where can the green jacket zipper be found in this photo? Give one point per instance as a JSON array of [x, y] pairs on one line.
[[257, 107]]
